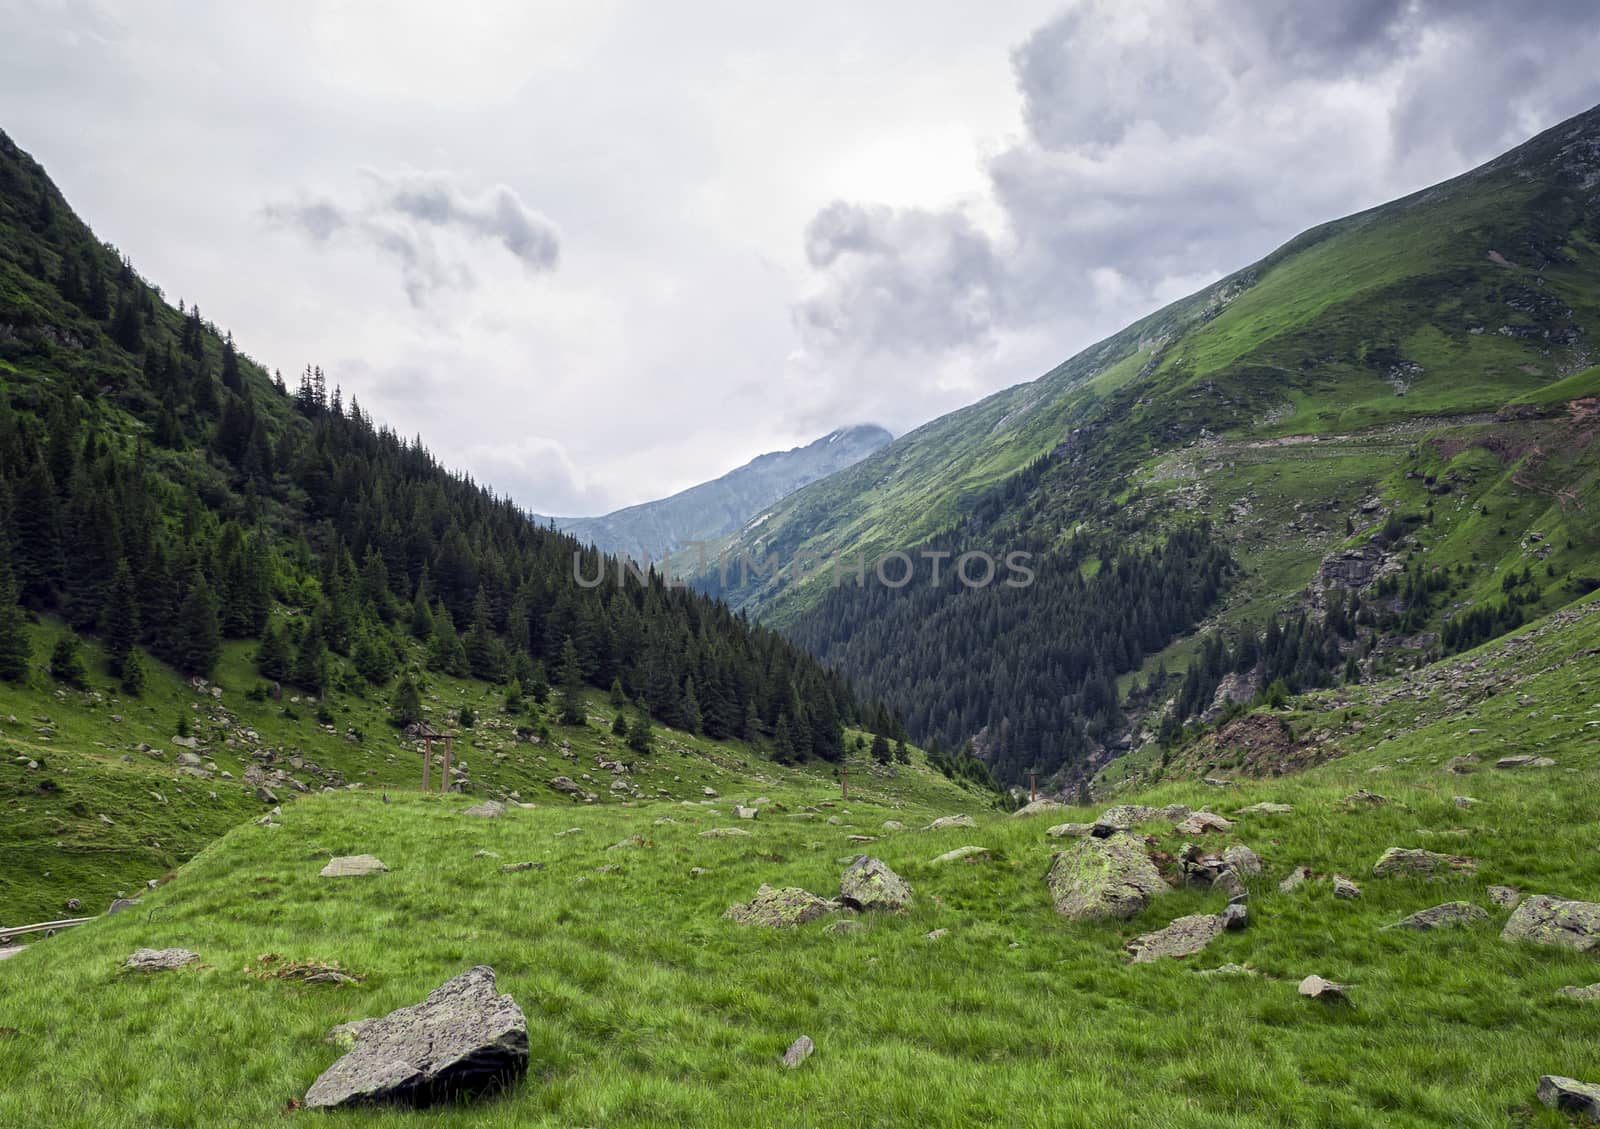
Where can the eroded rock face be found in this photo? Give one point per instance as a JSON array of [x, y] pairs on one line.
[[462, 1040], [1103, 878], [1438, 917], [1403, 862], [1184, 937], [869, 884], [1544, 920], [780, 909]]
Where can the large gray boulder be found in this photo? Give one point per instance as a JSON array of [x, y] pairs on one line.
[[1404, 862], [1184, 937], [1438, 917], [1038, 807], [780, 909], [462, 1040], [1570, 1096], [1100, 878], [946, 822], [1565, 924], [869, 884]]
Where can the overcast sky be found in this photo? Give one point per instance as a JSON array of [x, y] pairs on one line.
[[594, 252]]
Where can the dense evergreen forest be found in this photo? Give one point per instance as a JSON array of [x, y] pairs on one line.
[[1028, 668], [162, 490]]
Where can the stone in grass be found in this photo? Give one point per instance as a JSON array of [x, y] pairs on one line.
[[1506, 897], [1038, 807], [893, 825], [1316, 988], [1265, 808], [1297, 877], [1591, 994], [1103, 878], [723, 833], [1525, 761], [1227, 970], [945, 822], [780, 909], [1544, 920], [1344, 888], [798, 1051], [353, 866], [1363, 798], [461, 1041], [1242, 860], [1203, 821], [1439, 917], [161, 960], [1071, 831], [1570, 1096], [742, 812], [1405, 862], [964, 854], [1184, 937], [489, 809], [1235, 916], [869, 884]]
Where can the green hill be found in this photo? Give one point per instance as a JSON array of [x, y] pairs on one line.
[[978, 1005], [1406, 391]]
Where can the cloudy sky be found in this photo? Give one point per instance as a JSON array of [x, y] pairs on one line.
[[596, 251]]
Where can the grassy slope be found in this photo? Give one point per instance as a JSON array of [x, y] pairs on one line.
[[57, 848], [645, 1008]]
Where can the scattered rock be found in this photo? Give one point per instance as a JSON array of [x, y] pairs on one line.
[[798, 1051], [353, 866], [1071, 831], [1589, 994], [489, 809], [1266, 809], [1544, 920], [1403, 862], [869, 884], [1201, 822], [1101, 878], [1038, 807], [1461, 766], [742, 812], [937, 934], [779, 909], [945, 822], [74, 904], [1316, 988], [520, 867], [462, 1040], [266, 795], [1235, 916], [1570, 1096], [1242, 860], [723, 833], [710, 793], [893, 825], [567, 785], [1227, 970], [1506, 897], [1465, 802], [1451, 913], [1525, 761], [161, 960], [1344, 888], [969, 854], [1363, 798], [1184, 937], [1125, 816], [1297, 877]]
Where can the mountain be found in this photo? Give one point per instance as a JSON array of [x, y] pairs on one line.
[[712, 510], [1367, 450], [192, 555]]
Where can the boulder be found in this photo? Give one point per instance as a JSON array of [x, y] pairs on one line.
[[1127, 815], [1184, 937], [462, 1040], [780, 909], [1344, 888], [964, 854], [1103, 878], [1242, 860], [1570, 1096], [893, 825], [869, 884], [1506, 897], [1201, 822], [1297, 876], [1403, 862], [567, 785], [1038, 807], [723, 833], [1266, 809], [1586, 995], [188, 760], [1316, 988], [945, 822], [161, 960], [1071, 831], [798, 1051], [1544, 920], [489, 809], [1363, 798], [742, 812], [1525, 761], [1235, 916], [353, 866], [1437, 917]]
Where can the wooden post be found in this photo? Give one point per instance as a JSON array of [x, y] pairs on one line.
[[427, 761], [844, 781], [1032, 794], [444, 785]]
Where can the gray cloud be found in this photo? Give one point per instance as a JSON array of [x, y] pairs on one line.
[[1169, 144], [424, 221]]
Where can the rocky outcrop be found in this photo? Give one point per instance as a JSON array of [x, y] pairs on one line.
[[1403, 862], [780, 909], [1103, 878], [1544, 920], [462, 1040], [1437, 917], [1184, 937], [1316, 988], [869, 884]]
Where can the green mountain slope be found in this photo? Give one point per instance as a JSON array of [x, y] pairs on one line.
[[977, 1005], [1405, 391]]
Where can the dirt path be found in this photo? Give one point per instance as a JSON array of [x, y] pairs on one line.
[[6, 954]]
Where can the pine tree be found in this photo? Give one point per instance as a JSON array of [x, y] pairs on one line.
[[901, 753], [272, 656], [783, 750], [198, 642], [571, 676], [310, 669], [66, 661], [539, 684], [690, 710], [119, 622], [619, 724], [15, 647], [880, 749], [514, 702], [640, 736], [407, 703], [133, 674], [619, 698]]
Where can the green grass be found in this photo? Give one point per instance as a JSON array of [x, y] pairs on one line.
[[645, 1008]]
